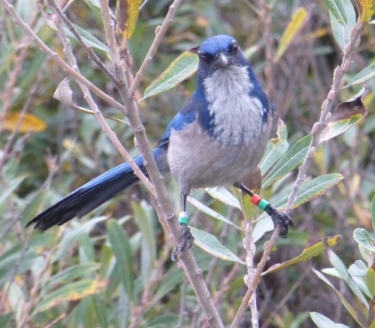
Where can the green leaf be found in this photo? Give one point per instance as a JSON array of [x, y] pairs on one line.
[[72, 235], [363, 76], [88, 38], [276, 148], [306, 255], [373, 213], [72, 292], [12, 185], [323, 322], [224, 196], [311, 189], [289, 161], [362, 237], [180, 69], [205, 209], [344, 302], [144, 221], [337, 9], [73, 272], [212, 245], [341, 31], [294, 26], [342, 270], [121, 247]]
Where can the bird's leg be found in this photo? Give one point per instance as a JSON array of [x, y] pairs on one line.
[[278, 218], [187, 237]]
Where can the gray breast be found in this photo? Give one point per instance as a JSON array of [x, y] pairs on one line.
[[197, 160]]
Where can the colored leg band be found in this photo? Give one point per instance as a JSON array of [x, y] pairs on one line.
[[183, 218], [261, 203]]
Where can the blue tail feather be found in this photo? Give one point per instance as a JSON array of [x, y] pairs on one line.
[[94, 193]]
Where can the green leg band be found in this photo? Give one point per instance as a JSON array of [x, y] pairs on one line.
[[183, 218], [263, 204]]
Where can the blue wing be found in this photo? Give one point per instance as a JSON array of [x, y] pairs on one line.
[[186, 115]]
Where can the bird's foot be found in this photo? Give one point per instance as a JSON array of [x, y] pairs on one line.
[[281, 219], [187, 237]]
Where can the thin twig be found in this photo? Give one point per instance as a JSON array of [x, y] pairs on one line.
[[160, 32], [88, 49], [166, 212], [57, 59], [87, 96]]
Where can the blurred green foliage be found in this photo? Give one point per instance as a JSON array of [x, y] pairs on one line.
[[100, 272]]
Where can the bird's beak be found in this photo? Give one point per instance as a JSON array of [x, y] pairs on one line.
[[222, 60]]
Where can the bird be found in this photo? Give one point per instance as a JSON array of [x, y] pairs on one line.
[[217, 139]]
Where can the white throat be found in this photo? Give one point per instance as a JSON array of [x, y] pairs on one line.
[[237, 117]]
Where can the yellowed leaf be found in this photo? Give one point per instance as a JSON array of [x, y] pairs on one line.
[[29, 122], [294, 25], [367, 9], [127, 12]]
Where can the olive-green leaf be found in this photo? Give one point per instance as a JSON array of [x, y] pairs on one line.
[[343, 300], [71, 292], [289, 161], [307, 254], [212, 245], [121, 247], [180, 69], [276, 148]]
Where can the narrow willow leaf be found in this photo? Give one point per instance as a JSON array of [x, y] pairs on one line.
[[29, 123], [73, 272], [367, 9], [363, 76], [289, 161], [263, 225], [180, 69], [307, 254], [224, 196], [88, 38], [345, 116], [212, 245], [343, 300], [343, 271], [370, 281], [127, 12], [11, 187], [148, 250], [276, 148], [71, 292], [205, 209], [337, 9], [294, 26], [323, 322], [121, 247], [341, 32], [362, 237], [311, 189]]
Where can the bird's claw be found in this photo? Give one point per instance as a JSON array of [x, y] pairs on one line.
[[281, 219], [187, 240]]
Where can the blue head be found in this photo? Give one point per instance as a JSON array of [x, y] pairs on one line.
[[219, 52]]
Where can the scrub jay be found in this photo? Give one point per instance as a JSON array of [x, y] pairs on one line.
[[217, 139]]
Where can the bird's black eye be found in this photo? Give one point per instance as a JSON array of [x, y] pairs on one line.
[[234, 46], [203, 57]]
